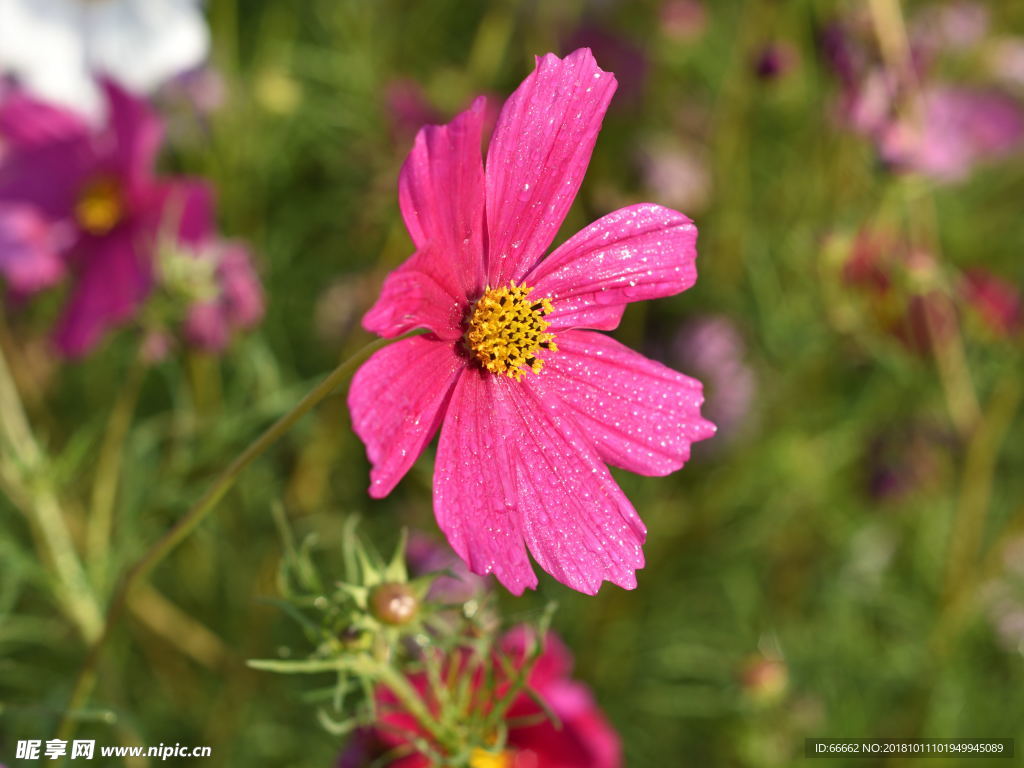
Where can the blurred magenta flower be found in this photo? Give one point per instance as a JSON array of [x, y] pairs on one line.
[[584, 740], [55, 48], [93, 193], [532, 406], [957, 129], [235, 302], [627, 59]]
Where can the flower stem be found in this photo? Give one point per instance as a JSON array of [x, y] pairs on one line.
[[196, 514], [24, 470], [108, 475]]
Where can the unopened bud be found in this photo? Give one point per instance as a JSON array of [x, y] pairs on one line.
[[393, 604]]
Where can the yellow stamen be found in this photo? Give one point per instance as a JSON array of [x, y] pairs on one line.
[[100, 206], [507, 329], [481, 758]]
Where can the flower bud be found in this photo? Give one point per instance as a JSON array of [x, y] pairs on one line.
[[393, 604]]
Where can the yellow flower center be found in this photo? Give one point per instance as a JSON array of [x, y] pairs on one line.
[[100, 206], [481, 758], [507, 329]]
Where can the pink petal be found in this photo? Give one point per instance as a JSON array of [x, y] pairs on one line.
[[113, 280], [441, 193], [206, 326], [475, 498], [639, 414], [136, 133], [397, 399], [512, 467], [636, 253], [537, 158], [31, 248], [410, 298], [48, 154]]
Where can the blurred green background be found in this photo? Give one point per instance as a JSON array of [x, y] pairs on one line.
[[837, 563]]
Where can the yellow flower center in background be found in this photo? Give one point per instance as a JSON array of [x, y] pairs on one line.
[[507, 329], [100, 206], [481, 758]]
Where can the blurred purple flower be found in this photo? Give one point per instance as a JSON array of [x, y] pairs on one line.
[[426, 554], [620, 55], [237, 301], [775, 61], [713, 349], [98, 188], [906, 459], [958, 128]]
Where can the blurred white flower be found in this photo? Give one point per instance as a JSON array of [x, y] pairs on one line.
[[55, 47]]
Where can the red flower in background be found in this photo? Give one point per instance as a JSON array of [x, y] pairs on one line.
[[583, 740]]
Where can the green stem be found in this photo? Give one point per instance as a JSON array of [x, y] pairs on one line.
[[196, 514], [27, 468], [108, 475]]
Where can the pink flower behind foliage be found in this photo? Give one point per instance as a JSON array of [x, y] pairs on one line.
[[584, 740], [237, 303], [530, 406], [96, 194], [958, 129]]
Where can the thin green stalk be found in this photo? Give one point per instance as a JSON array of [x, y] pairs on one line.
[[28, 469], [975, 496], [196, 514], [108, 475]]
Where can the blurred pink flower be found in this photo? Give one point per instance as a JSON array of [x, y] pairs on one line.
[[917, 123], [958, 128], [31, 248], [237, 301], [98, 190], [521, 459], [584, 740]]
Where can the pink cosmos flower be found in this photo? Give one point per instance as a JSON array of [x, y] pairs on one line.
[[585, 739], [87, 202], [530, 406]]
